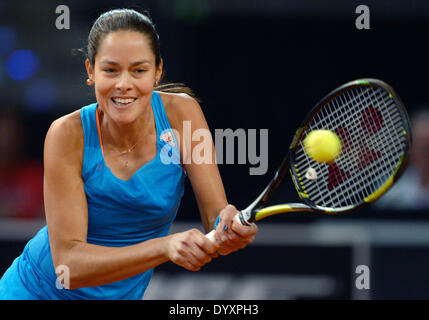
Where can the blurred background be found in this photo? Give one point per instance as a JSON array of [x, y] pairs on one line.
[[254, 65]]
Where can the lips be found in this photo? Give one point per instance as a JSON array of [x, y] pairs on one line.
[[122, 102]]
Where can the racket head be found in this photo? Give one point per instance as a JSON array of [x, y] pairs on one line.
[[374, 128]]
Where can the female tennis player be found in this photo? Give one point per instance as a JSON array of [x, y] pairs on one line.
[[110, 197]]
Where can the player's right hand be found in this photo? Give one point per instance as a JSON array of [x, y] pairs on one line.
[[191, 249]]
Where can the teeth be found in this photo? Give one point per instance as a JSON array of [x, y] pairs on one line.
[[123, 101]]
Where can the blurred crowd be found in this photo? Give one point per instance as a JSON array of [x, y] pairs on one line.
[[411, 192], [21, 178]]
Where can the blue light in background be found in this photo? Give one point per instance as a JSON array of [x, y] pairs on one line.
[[7, 40], [41, 95], [1, 72], [22, 64]]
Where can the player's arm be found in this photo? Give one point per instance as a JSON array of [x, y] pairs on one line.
[[67, 219], [200, 167], [205, 178]]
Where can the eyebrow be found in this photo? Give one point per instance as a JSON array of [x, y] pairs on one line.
[[136, 63]]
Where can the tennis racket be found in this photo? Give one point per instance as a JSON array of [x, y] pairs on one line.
[[373, 125]]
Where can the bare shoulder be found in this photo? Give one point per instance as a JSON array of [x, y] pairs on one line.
[[65, 136], [179, 107], [67, 127]]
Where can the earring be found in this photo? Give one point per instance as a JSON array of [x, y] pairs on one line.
[[89, 82]]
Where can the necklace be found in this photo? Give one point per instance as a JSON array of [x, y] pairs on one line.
[[126, 152]]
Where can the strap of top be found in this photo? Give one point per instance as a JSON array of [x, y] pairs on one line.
[[171, 153], [87, 115], [92, 155], [161, 119]]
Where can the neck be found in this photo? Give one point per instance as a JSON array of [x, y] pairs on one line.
[[125, 137]]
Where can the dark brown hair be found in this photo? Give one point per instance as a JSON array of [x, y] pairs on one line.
[[130, 19]]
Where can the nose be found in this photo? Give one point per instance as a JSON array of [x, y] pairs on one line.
[[124, 82]]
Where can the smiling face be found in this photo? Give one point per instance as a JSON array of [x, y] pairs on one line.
[[124, 74]]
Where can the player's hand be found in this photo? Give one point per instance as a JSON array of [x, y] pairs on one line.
[[191, 249], [230, 235]]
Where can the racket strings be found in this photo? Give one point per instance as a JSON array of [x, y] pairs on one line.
[[322, 122], [377, 172], [366, 150], [370, 146], [370, 126], [371, 174], [339, 113], [393, 140], [341, 176]]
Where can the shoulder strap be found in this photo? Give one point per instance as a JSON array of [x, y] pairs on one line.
[[92, 156]]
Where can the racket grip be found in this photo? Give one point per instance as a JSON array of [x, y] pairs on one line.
[[210, 236], [237, 219]]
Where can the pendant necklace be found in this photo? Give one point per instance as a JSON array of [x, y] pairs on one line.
[[126, 153]]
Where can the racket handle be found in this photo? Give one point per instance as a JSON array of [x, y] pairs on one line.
[[237, 219], [210, 236]]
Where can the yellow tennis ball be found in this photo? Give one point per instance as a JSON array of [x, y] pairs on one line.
[[322, 145]]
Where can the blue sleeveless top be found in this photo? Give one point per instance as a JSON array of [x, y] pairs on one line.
[[120, 213]]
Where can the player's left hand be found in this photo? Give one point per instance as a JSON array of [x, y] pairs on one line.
[[230, 235]]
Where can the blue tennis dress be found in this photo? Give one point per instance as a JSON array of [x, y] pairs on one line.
[[120, 213]]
